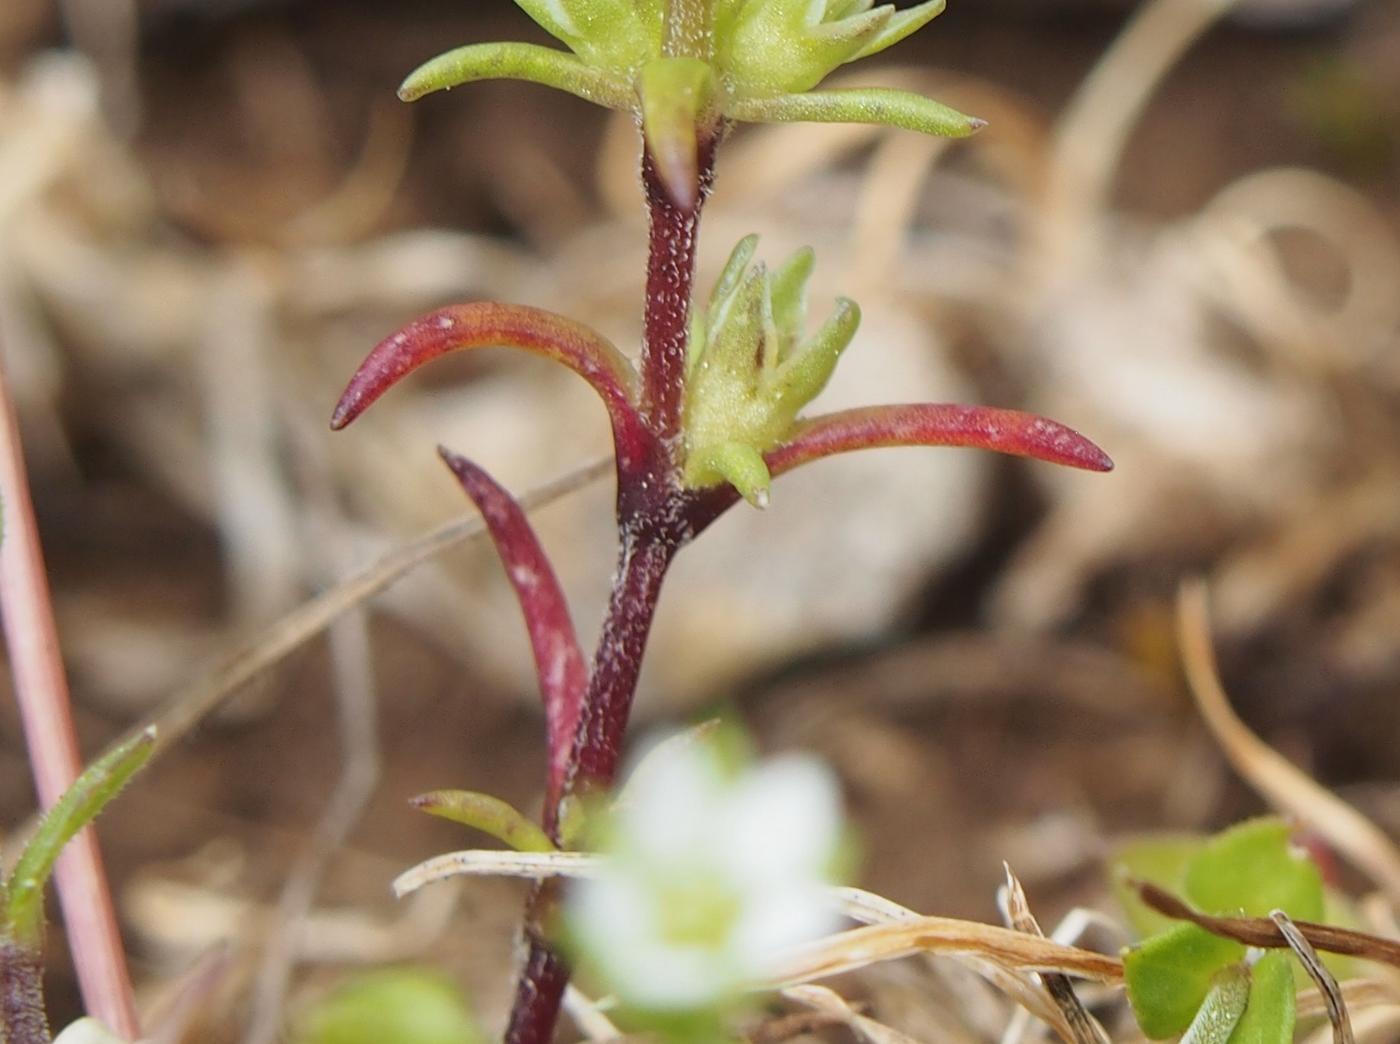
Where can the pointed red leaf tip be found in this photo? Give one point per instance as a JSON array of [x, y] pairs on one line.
[[485, 324], [930, 424], [559, 663]]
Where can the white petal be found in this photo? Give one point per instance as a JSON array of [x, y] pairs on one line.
[[87, 1031], [617, 926], [784, 822], [673, 819], [777, 920]]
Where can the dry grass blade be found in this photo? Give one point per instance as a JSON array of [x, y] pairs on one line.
[[861, 947], [1083, 1027], [1260, 931], [1326, 983], [829, 1002], [1358, 994], [1280, 782], [1375, 1024], [588, 1016], [535, 866], [190, 705], [870, 908]]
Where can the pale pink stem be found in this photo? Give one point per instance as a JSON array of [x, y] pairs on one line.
[[42, 692]]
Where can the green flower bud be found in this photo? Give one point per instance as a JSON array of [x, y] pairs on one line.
[[751, 368]]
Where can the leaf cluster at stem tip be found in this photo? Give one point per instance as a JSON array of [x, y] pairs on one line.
[[686, 67]]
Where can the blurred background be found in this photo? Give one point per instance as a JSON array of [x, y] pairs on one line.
[[1180, 234]]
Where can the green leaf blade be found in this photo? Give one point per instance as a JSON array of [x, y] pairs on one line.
[[516, 61], [1273, 1003], [100, 783], [1169, 975], [879, 105], [402, 1005], [488, 814], [1253, 868]]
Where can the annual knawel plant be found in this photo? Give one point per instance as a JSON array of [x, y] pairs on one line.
[[712, 409]]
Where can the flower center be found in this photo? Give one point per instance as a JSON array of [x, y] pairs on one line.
[[698, 911]]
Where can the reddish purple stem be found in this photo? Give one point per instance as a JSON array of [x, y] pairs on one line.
[[670, 275], [22, 1019], [653, 526], [558, 661]]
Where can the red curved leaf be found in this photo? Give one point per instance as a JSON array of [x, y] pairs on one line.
[[930, 424], [484, 324], [559, 663]]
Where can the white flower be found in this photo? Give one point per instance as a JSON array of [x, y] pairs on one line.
[[87, 1031], [710, 875]]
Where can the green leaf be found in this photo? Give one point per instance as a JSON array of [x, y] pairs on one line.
[[741, 466], [516, 61], [1273, 1006], [1220, 1012], [789, 290], [1169, 975], [773, 48], [100, 783], [402, 1005], [1251, 869], [881, 105], [901, 25], [488, 814], [1158, 859], [802, 377], [677, 96]]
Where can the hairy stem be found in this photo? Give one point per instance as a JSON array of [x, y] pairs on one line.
[[654, 522], [22, 1018], [670, 279], [645, 556]]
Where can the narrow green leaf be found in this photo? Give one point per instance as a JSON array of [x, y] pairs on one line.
[[100, 783], [903, 24], [1273, 1003], [403, 1005], [736, 332], [742, 467], [789, 289], [879, 105], [804, 375], [553, 18], [677, 95], [1253, 868], [775, 48], [516, 61], [488, 814], [845, 8], [1220, 1012], [1159, 859], [1169, 975], [728, 280]]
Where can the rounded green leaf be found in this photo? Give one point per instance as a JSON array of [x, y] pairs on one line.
[[1253, 868], [1273, 1006], [1169, 975], [1159, 859], [402, 1005]]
